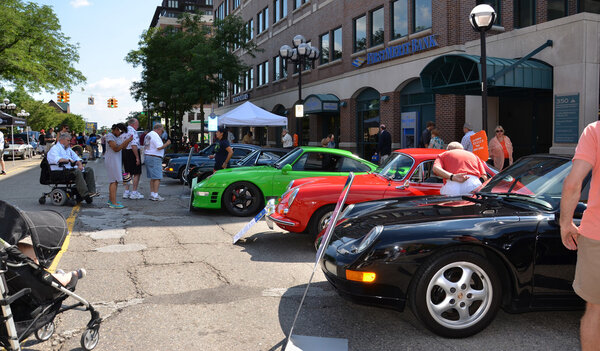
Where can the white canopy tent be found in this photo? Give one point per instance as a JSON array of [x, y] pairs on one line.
[[250, 115]]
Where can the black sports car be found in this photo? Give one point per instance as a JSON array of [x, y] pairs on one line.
[[456, 260]]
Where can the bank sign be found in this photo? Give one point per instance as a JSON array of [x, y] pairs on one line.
[[410, 47]]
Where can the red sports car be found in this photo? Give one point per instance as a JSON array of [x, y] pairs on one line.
[[308, 203]]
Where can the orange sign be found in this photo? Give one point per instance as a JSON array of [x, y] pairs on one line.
[[480, 145]]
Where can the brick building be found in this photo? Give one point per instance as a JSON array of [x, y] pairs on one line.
[[406, 62]]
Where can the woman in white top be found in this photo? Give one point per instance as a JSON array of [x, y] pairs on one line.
[[2, 172], [154, 150], [112, 162]]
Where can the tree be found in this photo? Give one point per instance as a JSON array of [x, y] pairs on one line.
[[191, 66], [75, 122], [34, 53]]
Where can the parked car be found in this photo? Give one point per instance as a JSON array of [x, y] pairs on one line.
[[308, 204], [456, 260], [244, 190], [33, 140], [259, 157], [20, 147], [176, 166]]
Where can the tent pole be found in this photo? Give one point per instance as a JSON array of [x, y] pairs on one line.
[[12, 136]]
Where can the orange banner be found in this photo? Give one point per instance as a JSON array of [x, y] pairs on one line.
[[480, 145]]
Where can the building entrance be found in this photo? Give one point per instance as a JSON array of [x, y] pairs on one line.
[[527, 121]]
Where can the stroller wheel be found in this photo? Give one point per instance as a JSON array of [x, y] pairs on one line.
[[45, 332], [42, 200], [58, 196], [90, 337]]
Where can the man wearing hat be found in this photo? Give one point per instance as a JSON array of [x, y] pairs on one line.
[[223, 150], [466, 140]]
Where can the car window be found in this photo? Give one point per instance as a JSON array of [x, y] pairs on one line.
[[239, 152], [316, 162], [424, 173], [347, 164]]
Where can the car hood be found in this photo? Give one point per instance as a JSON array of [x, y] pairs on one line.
[[417, 211]]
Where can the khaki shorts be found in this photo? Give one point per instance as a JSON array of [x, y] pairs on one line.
[[587, 273]]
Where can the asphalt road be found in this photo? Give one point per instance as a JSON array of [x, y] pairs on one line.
[[167, 279]]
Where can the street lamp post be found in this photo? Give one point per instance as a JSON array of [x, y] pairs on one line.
[[7, 106], [482, 18], [300, 54]]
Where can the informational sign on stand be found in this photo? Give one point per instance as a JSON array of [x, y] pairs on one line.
[[314, 343], [265, 212], [213, 122], [480, 145]]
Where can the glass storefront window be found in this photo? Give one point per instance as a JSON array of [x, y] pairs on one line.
[[592, 6], [377, 31], [367, 109], [399, 18], [421, 15]]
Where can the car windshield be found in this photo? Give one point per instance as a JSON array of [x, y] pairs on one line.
[[396, 167], [538, 180], [288, 158]]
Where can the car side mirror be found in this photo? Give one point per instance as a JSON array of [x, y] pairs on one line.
[[287, 168], [404, 186]]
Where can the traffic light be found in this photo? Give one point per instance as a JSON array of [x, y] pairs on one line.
[[67, 96], [109, 103], [115, 103], [61, 96]]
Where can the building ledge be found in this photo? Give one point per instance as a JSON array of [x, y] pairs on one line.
[[329, 64]]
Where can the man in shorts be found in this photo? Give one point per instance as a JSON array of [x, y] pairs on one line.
[[131, 160], [460, 169], [586, 238]]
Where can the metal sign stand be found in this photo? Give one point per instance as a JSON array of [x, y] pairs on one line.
[[314, 343]]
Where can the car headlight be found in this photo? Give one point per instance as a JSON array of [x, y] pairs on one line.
[[202, 193], [369, 238], [290, 185]]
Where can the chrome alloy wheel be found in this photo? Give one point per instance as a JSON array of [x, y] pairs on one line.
[[459, 295]]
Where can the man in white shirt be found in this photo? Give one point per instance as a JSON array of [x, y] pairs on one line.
[[154, 150], [466, 140], [286, 139], [61, 153], [3, 172], [131, 160]]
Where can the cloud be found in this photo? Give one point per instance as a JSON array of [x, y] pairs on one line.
[[80, 3]]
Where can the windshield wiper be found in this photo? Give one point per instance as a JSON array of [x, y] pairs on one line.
[[526, 197]]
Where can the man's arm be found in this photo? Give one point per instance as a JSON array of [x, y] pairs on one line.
[[229, 154], [571, 193]]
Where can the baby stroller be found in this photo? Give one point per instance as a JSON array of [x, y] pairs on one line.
[[62, 184], [31, 296]]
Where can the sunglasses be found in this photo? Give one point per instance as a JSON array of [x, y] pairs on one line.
[[499, 131]]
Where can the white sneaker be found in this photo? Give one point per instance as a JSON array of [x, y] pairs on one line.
[[126, 195], [136, 195], [156, 198]]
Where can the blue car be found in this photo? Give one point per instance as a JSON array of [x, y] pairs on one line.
[[176, 166]]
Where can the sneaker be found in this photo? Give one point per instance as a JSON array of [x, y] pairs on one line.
[[2, 173], [117, 205], [156, 198], [136, 195], [118, 202], [126, 195]]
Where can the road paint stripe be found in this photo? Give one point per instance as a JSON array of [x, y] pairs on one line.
[[65, 246]]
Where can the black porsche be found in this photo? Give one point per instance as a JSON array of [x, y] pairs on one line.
[[456, 260]]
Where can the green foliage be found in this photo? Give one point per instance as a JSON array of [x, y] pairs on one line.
[[34, 53], [75, 122], [191, 66]]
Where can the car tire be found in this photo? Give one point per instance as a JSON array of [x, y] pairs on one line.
[[242, 199], [456, 294], [319, 220]]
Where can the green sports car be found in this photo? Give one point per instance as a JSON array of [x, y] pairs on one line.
[[244, 190]]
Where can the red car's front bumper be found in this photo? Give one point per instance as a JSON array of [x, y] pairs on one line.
[[286, 223]]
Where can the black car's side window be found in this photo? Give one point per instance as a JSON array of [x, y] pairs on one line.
[[240, 152]]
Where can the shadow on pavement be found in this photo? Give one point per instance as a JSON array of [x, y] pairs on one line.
[[279, 247]]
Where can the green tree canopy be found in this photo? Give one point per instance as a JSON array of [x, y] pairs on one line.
[[34, 53], [191, 66]]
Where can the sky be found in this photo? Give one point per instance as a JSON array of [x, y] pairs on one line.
[[105, 30]]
